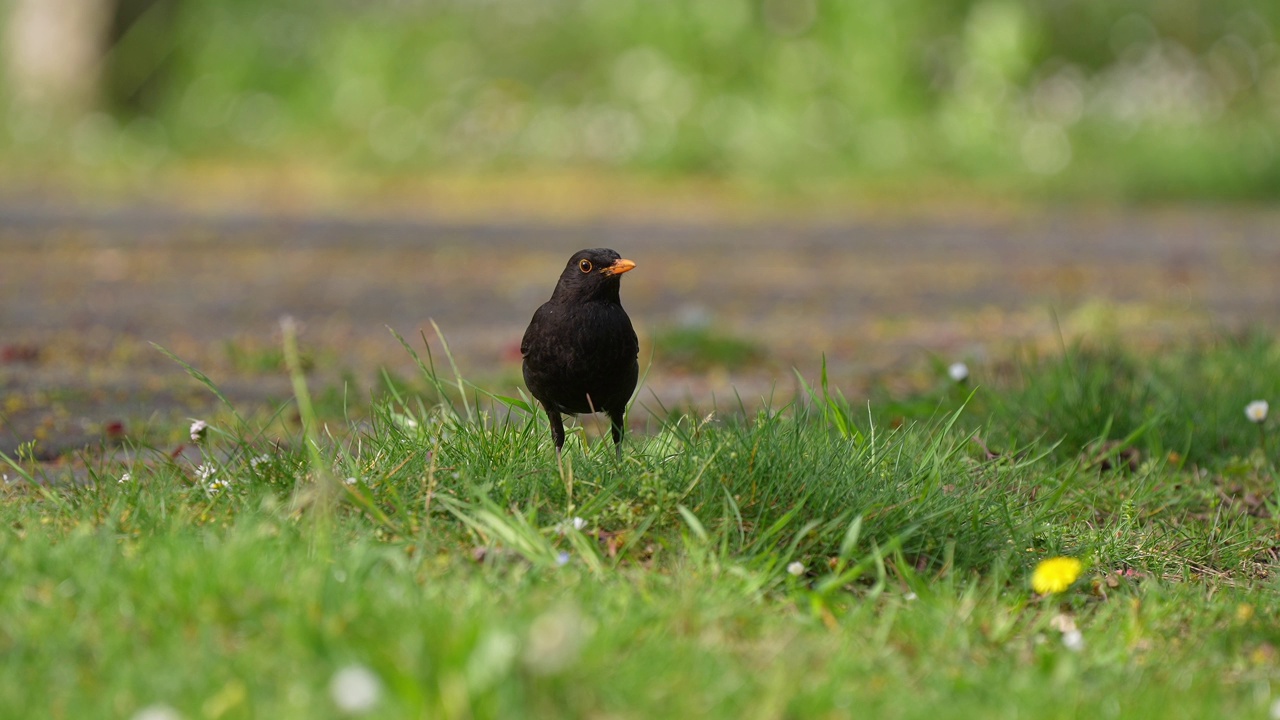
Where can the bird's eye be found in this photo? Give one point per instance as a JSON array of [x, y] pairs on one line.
[[584, 265]]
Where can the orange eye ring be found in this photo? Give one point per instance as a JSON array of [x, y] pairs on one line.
[[584, 265]]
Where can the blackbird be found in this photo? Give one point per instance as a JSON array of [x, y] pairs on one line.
[[580, 349]]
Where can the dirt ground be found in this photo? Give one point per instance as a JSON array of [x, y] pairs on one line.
[[85, 293]]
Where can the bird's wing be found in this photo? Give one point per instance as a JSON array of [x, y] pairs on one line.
[[524, 341], [532, 332]]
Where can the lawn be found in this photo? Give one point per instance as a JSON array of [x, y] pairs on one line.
[[822, 557]]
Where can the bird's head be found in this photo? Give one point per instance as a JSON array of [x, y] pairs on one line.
[[592, 275]]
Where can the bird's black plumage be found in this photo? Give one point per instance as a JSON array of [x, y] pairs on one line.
[[580, 351]]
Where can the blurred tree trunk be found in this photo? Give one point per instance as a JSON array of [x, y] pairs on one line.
[[54, 51], [69, 56]]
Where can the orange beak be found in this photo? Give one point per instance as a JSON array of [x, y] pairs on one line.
[[618, 267]]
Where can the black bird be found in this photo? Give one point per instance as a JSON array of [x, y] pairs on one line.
[[580, 349]]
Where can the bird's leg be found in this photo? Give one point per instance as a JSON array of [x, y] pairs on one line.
[[615, 420], [557, 429]]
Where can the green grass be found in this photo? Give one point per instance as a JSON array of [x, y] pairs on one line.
[[449, 565], [700, 349]]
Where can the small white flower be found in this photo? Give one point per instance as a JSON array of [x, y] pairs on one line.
[[159, 711], [126, 477], [556, 639], [255, 462], [562, 559], [212, 484], [491, 659], [796, 568], [350, 481], [574, 523], [199, 429], [1063, 623], [355, 689], [1073, 640], [1256, 411], [910, 596], [958, 371]]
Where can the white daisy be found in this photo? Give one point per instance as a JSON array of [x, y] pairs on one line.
[[1256, 411]]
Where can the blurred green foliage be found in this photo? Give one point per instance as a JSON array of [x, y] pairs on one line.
[[699, 349], [1125, 98]]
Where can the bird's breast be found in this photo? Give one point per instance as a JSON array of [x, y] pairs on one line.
[[594, 331]]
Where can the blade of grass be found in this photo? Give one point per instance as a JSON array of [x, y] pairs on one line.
[[462, 390]]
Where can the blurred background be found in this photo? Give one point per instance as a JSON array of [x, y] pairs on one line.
[[892, 183], [1094, 98]]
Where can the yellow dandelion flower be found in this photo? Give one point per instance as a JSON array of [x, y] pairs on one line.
[[1055, 575]]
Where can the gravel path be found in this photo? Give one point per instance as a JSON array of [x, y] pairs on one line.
[[84, 293]]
